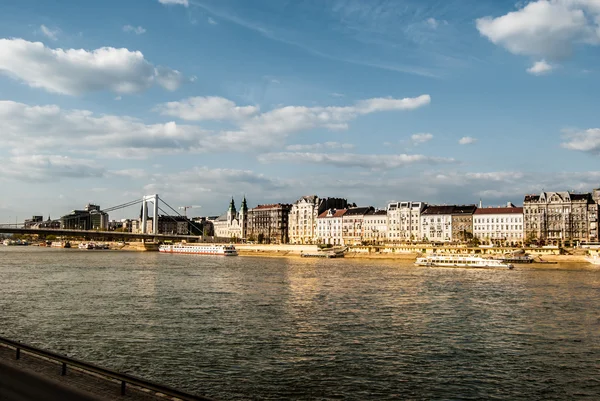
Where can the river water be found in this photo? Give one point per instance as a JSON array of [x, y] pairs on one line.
[[270, 328]]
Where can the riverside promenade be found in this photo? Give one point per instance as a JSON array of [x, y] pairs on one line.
[[26, 374]]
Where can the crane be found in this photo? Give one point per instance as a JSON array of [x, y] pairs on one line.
[[185, 208]]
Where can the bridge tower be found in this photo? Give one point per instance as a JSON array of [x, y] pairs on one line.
[[154, 200]]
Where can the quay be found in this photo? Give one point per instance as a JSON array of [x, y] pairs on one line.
[[30, 373]]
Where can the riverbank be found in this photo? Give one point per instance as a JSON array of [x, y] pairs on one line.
[[401, 253]]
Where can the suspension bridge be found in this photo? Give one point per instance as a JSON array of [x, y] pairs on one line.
[[69, 226]]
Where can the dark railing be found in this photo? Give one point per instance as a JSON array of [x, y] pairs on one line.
[[122, 377]]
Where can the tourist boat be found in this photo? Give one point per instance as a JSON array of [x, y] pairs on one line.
[[594, 259], [84, 245], [8, 242], [460, 261], [60, 244], [224, 250]]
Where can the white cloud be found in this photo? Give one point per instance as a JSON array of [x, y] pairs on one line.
[[417, 139], [467, 140], [49, 33], [38, 167], [374, 162], [271, 127], [206, 108], [77, 71], [33, 129], [432, 22], [184, 3], [137, 30], [540, 68], [216, 183], [212, 21], [583, 141], [545, 28], [318, 146]]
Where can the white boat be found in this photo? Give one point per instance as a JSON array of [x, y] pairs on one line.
[[87, 245], [460, 261], [594, 259], [224, 250]]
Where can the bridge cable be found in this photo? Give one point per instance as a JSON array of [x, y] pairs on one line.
[[190, 221]]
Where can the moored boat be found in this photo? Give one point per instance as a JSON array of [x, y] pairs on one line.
[[594, 259], [439, 260], [195, 249], [86, 245], [60, 244]]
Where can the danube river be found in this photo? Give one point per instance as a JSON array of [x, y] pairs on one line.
[[271, 328]]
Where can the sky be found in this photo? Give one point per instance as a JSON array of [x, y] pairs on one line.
[[446, 102]]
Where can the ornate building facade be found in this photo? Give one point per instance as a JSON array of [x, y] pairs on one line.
[[232, 224], [353, 225], [269, 223], [499, 225], [303, 217], [329, 227], [561, 217], [375, 227], [404, 221], [462, 222]]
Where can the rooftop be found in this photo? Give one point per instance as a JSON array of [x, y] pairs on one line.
[[499, 210]]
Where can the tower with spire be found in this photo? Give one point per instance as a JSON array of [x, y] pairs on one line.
[[231, 212], [244, 218]]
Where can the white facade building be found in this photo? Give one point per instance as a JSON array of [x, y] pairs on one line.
[[499, 225], [232, 224], [353, 225], [302, 223], [375, 227], [329, 227], [303, 219], [404, 221], [436, 223]]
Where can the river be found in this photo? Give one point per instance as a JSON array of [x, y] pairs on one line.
[[273, 328]]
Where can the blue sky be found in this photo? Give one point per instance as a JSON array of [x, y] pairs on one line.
[[380, 100]]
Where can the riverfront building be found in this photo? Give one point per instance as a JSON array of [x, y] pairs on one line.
[[232, 224], [329, 227], [91, 218], [303, 217], [179, 225], [375, 227], [462, 222], [499, 225], [436, 223], [404, 221], [352, 224], [561, 217], [269, 223]]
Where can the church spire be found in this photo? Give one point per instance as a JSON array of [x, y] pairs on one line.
[[244, 205], [232, 205]]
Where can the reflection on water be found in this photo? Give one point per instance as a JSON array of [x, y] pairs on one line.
[[240, 328]]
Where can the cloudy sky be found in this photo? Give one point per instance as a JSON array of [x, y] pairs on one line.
[[442, 101]]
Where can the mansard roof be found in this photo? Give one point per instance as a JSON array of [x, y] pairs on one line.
[[337, 213], [499, 210], [565, 196], [464, 209], [439, 210], [359, 211], [308, 199], [273, 206]]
